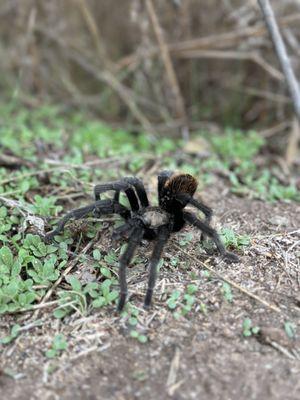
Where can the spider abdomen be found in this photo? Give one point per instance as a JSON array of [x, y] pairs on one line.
[[177, 184], [181, 183]]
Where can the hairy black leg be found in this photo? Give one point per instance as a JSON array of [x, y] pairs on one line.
[[134, 240], [117, 196], [162, 178], [118, 186], [140, 189], [103, 206], [186, 198], [207, 211], [123, 230], [162, 238], [209, 231]]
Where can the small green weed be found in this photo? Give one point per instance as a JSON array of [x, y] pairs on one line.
[[58, 345], [182, 303], [232, 240], [78, 298], [227, 292], [186, 238], [290, 329], [131, 314], [45, 206], [235, 153], [12, 336], [249, 329], [237, 146]]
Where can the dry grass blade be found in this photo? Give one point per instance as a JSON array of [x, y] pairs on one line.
[[180, 110], [35, 307], [234, 55], [294, 140], [216, 41], [104, 76], [230, 282], [92, 26], [174, 368]]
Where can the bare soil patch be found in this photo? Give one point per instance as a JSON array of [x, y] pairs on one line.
[[202, 355]]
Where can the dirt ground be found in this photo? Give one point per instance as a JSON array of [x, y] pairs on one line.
[[200, 356]]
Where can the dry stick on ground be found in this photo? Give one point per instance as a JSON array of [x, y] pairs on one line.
[[14, 162], [232, 283], [165, 55]]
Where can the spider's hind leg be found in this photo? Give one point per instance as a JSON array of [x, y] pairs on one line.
[[207, 211]]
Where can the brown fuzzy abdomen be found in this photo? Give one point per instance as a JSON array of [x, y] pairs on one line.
[[182, 183]]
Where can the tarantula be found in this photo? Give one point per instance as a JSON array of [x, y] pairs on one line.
[[175, 192]]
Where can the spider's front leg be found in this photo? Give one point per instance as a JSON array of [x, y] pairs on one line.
[[134, 240], [162, 238], [209, 231], [104, 206], [117, 187], [126, 184]]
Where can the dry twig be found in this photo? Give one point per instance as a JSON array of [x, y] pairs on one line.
[[216, 41], [292, 83], [165, 55], [232, 283]]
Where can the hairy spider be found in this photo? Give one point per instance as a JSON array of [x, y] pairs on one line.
[[175, 192]]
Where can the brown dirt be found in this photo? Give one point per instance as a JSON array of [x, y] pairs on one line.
[[196, 357]]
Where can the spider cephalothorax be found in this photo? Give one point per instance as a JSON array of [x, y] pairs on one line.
[[143, 221]]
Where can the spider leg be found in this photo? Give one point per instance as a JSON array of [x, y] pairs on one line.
[[209, 231], [134, 240], [117, 187], [125, 184], [103, 206], [122, 230], [162, 238], [140, 189], [207, 211], [162, 178]]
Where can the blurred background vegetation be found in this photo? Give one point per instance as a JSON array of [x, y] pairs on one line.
[[110, 59]]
